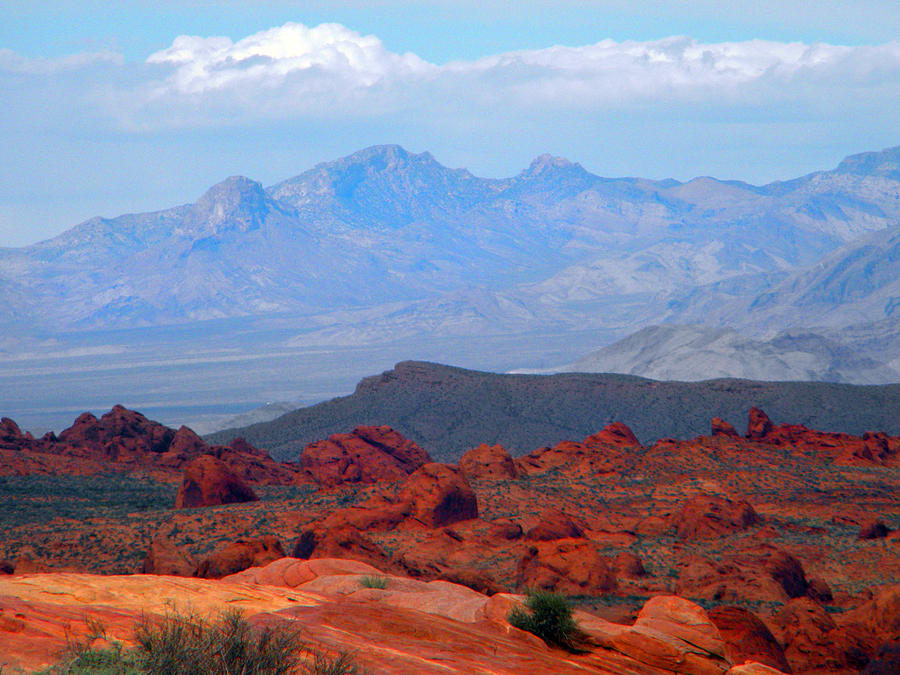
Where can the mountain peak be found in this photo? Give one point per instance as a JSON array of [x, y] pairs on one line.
[[237, 200], [884, 163], [548, 164]]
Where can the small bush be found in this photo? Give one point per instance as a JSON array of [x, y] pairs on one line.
[[340, 664], [549, 616], [189, 645], [374, 582]]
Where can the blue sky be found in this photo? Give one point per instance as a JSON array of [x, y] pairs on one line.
[[138, 107]]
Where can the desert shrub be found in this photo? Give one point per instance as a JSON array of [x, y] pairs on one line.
[[549, 616], [190, 645], [374, 582], [341, 663]]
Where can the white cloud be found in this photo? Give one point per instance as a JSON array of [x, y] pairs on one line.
[[294, 70], [266, 59], [15, 63]]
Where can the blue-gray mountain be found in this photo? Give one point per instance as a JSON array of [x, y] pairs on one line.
[[431, 246]]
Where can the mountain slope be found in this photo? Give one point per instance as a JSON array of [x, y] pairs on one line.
[[450, 410], [694, 353], [385, 225]]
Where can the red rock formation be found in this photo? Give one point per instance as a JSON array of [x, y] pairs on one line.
[[554, 524], [238, 556], [570, 566], [814, 642], [748, 639], [759, 426], [209, 482], [439, 495], [870, 448], [874, 529], [164, 557], [722, 428], [705, 516], [492, 462], [600, 453], [124, 440], [366, 455], [629, 565]]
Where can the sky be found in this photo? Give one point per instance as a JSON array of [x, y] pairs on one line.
[[109, 108]]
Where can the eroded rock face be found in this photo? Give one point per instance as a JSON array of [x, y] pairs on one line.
[[569, 566], [748, 639], [874, 529], [598, 454], [488, 462], [164, 557], [439, 495], [124, 440], [209, 482], [706, 516], [759, 426], [554, 524], [366, 455], [238, 556], [720, 427], [813, 641]]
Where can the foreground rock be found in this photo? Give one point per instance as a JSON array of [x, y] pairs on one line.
[[409, 627]]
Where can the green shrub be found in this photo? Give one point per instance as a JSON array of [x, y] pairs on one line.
[[339, 664], [374, 582], [186, 644], [190, 645], [549, 616]]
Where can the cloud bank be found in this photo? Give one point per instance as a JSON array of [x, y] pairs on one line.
[[330, 69]]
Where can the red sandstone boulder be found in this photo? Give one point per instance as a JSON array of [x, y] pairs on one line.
[[886, 660], [439, 495], [770, 576], [366, 455], [165, 558], [629, 565], [814, 642], [209, 482], [491, 462], [616, 434], [722, 428], [10, 432], [238, 556], [758, 425], [748, 639], [606, 452], [345, 542], [706, 516], [570, 566], [874, 529], [554, 524]]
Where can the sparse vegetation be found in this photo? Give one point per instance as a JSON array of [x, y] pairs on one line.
[[374, 582], [187, 644], [549, 616]]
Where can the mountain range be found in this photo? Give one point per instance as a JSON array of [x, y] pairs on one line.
[[387, 248]]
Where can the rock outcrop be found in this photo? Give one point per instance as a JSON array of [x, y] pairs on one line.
[[706, 516], [488, 462], [748, 639], [439, 495], [209, 482], [570, 566], [238, 556], [366, 455]]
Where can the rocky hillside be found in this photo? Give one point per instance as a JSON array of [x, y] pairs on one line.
[[448, 410]]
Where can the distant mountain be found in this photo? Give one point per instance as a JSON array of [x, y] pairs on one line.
[[694, 353], [384, 226], [450, 410]]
